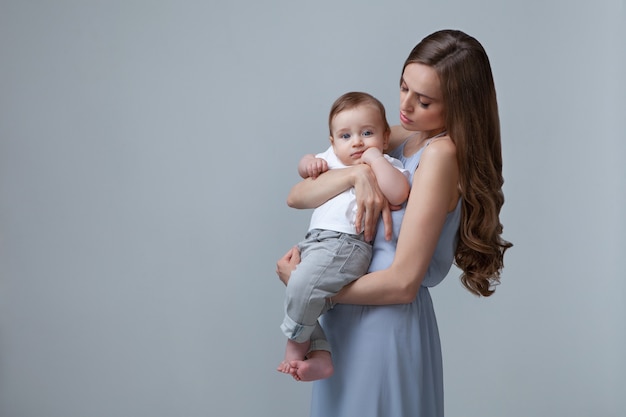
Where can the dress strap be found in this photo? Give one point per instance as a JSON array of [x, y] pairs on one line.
[[435, 137]]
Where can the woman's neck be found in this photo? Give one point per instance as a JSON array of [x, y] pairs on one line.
[[417, 140]]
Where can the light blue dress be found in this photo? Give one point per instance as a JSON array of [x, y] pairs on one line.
[[388, 358]]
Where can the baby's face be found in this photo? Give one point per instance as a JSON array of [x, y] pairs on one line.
[[355, 130]]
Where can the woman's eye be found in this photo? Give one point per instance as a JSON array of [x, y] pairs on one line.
[[424, 105]]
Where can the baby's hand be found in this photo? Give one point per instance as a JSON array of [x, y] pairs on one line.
[[316, 167], [371, 154]]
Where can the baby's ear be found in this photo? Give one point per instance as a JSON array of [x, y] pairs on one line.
[[332, 141], [386, 137]]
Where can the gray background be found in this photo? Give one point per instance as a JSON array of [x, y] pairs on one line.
[[146, 150]]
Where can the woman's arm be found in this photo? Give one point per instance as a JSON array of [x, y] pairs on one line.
[[312, 193], [392, 182], [371, 202], [434, 193]]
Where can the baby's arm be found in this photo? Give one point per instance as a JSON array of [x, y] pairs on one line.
[[311, 167], [392, 182]]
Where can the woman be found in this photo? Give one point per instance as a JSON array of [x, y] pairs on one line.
[[383, 332]]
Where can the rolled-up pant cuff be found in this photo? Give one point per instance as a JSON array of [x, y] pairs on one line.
[[295, 331]]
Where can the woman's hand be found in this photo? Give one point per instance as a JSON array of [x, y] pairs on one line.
[[286, 264], [371, 203]]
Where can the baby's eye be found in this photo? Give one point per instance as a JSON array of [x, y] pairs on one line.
[[345, 136], [368, 133]]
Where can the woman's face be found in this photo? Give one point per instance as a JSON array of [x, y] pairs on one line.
[[421, 100]]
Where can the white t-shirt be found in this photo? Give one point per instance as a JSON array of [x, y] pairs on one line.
[[339, 212]]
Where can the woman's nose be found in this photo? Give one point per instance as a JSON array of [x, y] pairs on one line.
[[405, 103]]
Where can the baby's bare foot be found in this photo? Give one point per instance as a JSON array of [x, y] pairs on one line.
[[318, 365], [294, 352], [284, 367]]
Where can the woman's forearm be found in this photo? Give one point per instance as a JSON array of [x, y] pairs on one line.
[[379, 288], [312, 193], [371, 202]]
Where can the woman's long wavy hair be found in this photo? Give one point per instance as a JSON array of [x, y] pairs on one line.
[[472, 122]]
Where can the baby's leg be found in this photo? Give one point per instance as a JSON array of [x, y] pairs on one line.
[[294, 352], [318, 365]]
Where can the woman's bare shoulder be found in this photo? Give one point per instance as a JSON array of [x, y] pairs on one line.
[[441, 169], [441, 147]]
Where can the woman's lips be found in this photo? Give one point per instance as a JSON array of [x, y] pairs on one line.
[[405, 119]]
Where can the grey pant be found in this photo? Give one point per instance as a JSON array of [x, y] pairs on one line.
[[329, 261]]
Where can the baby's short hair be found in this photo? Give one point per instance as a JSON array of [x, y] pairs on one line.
[[354, 99]]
